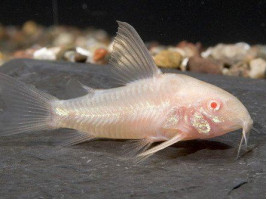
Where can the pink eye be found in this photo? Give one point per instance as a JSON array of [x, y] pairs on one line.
[[214, 105]]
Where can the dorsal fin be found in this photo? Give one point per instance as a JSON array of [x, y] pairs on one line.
[[130, 57]]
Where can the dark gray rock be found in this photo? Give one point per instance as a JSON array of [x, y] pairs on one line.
[[31, 166]]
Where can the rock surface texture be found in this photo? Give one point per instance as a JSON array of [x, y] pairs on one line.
[[33, 166]]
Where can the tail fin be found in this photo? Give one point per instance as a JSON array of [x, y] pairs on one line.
[[23, 108]]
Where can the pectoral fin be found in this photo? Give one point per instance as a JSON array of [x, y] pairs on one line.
[[161, 146]]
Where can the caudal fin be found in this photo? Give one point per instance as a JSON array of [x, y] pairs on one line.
[[22, 107]]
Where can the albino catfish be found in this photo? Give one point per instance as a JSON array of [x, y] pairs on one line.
[[149, 107]]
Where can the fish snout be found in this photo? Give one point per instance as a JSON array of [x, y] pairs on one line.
[[238, 115], [247, 125]]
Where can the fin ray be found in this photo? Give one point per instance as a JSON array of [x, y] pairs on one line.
[[75, 138], [130, 57], [133, 147], [159, 147], [23, 108]]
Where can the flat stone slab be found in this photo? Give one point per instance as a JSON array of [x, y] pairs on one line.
[[32, 166]]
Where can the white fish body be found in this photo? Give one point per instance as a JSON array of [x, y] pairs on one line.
[[151, 106], [120, 113]]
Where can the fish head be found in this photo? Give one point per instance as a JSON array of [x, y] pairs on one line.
[[214, 111], [224, 113]]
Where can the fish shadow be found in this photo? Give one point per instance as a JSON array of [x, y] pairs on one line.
[[184, 148], [193, 146]]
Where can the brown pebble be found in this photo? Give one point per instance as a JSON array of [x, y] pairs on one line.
[[19, 38], [152, 44], [80, 58], [61, 54], [190, 48], [100, 54], [169, 59], [28, 53], [29, 27], [239, 69], [202, 65]]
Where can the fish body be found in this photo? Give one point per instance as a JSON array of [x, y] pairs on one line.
[[128, 112], [154, 109], [149, 106]]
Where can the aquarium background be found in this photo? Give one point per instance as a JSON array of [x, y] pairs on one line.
[[215, 37], [168, 21]]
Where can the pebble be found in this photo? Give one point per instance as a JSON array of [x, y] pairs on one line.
[[29, 28], [64, 39], [46, 53], [69, 56], [101, 36], [64, 52], [259, 51], [91, 44], [80, 58], [198, 64], [168, 58], [28, 53], [253, 69], [152, 44], [239, 69], [228, 53], [183, 65], [19, 38], [99, 55], [83, 51], [178, 50], [189, 48], [257, 68], [154, 50], [80, 41], [72, 54], [1, 58]]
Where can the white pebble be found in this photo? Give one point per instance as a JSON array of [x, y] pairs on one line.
[[45, 54], [257, 68]]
